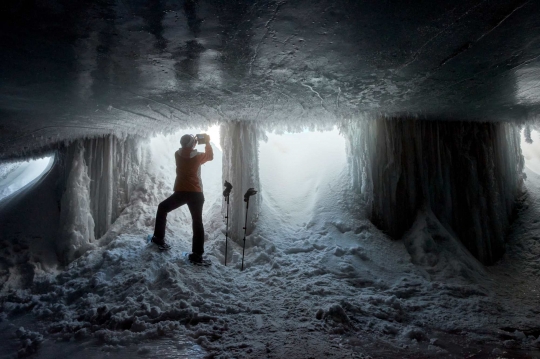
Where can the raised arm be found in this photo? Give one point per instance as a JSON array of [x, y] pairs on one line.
[[208, 154]]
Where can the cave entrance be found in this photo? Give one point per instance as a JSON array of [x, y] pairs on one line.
[[530, 148], [18, 175], [301, 173]]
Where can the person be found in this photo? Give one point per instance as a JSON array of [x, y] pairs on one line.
[[188, 189]]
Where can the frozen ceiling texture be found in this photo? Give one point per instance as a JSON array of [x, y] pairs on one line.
[[80, 68]]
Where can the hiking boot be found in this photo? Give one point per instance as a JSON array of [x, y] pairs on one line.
[[195, 258], [159, 242], [164, 246]]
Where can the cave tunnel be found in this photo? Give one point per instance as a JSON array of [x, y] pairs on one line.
[[393, 146]]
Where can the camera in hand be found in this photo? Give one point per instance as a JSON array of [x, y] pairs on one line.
[[201, 138]]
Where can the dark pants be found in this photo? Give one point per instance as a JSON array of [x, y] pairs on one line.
[[195, 201]]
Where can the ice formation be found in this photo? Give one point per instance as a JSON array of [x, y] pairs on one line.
[[333, 287], [468, 174], [315, 273], [240, 141], [99, 175], [76, 220], [113, 165]]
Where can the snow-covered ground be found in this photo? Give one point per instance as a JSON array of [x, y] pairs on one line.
[[327, 285]]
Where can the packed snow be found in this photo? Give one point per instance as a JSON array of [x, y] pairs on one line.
[[319, 282]]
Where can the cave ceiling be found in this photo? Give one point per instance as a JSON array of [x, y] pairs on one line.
[[77, 68]]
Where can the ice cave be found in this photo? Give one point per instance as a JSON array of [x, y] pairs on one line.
[[269, 179]]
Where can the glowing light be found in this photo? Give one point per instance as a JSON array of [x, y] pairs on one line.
[[15, 176]]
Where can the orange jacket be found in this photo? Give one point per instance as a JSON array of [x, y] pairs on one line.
[[188, 168]]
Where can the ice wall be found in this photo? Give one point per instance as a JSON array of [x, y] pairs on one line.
[[468, 174], [76, 220], [240, 141], [99, 176], [114, 167]]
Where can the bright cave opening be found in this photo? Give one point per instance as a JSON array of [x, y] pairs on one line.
[[301, 173], [530, 148], [17, 175]]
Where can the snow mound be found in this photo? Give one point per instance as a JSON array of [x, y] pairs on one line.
[[440, 253]]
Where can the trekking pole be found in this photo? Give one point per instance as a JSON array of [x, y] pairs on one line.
[[250, 192], [226, 193]]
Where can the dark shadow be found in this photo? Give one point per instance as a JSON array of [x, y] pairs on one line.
[[153, 14], [194, 23], [188, 67], [104, 71], [235, 20]]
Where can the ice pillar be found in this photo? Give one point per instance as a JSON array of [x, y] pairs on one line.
[[468, 174], [76, 221], [114, 166], [240, 143], [99, 177]]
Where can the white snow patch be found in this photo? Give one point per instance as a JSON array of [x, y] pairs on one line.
[[295, 167]]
